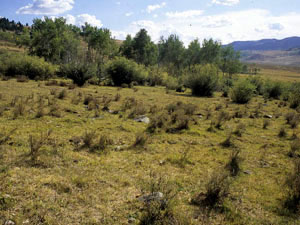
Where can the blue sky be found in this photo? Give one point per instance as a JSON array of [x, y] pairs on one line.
[[224, 20]]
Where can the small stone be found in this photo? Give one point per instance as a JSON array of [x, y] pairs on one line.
[[131, 220], [142, 119], [154, 196], [9, 222], [268, 116], [247, 172]]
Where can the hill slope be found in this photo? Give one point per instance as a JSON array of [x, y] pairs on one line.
[[267, 44]]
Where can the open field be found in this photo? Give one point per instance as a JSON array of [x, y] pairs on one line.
[[68, 182], [281, 74]]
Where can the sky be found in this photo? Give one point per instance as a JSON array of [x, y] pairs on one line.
[[222, 20]]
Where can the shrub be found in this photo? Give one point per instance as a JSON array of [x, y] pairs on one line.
[[242, 92], [80, 73], [292, 202], [172, 83], [258, 84], [125, 71], [88, 139], [292, 119], [216, 191], [159, 205], [140, 140], [203, 80], [282, 132], [15, 64], [273, 89], [234, 163], [36, 144], [102, 144], [294, 97], [266, 123], [22, 79]]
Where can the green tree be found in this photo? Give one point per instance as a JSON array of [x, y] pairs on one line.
[[210, 51], [126, 48], [171, 53], [230, 61], [53, 40], [192, 54]]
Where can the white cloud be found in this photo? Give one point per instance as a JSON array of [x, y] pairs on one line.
[[118, 3], [226, 2], [47, 7], [80, 20], [129, 14], [151, 8], [155, 16], [226, 27], [184, 14]]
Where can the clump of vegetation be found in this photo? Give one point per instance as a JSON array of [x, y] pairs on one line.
[[227, 142], [223, 116], [19, 109], [239, 129], [80, 73], [295, 146], [62, 94], [242, 92], [273, 89], [36, 144], [216, 190], [233, 165], [16, 64], [88, 139], [203, 80], [266, 123], [159, 205], [5, 137], [125, 71], [129, 103], [140, 140], [292, 202], [102, 144], [294, 97], [282, 132], [293, 119], [157, 122]]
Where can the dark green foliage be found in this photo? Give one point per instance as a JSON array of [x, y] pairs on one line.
[[258, 83], [125, 71], [242, 92], [294, 97], [6, 24], [140, 48], [273, 89], [80, 73], [15, 64], [53, 40], [203, 80]]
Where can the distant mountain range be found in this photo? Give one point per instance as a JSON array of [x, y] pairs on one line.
[[267, 44], [270, 51]]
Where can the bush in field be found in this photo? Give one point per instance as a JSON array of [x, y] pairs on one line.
[[16, 64], [78, 72], [203, 80], [258, 83], [242, 92], [273, 89], [294, 97], [125, 71], [172, 83]]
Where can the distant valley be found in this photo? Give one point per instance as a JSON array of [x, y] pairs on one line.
[[284, 52]]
